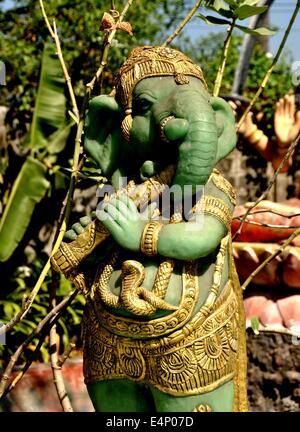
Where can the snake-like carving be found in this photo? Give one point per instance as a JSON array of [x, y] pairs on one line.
[[133, 296]]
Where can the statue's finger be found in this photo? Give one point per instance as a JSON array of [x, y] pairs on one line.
[[115, 213], [108, 221], [85, 220], [77, 228], [70, 235], [129, 203]]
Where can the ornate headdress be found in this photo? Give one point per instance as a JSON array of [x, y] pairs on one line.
[[151, 61]]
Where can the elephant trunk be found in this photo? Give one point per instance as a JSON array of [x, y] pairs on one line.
[[197, 151]]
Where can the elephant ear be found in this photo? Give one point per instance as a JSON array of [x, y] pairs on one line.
[[102, 136], [225, 121]]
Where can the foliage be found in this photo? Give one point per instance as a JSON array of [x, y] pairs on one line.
[[23, 34], [68, 325], [28, 189], [236, 10], [207, 52]]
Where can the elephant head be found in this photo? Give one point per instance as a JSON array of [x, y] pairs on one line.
[[161, 113]]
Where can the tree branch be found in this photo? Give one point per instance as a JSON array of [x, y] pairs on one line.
[[271, 183], [50, 319], [183, 23], [54, 35], [279, 251], [221, 69], [276, 329]]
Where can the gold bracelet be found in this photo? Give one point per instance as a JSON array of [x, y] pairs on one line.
[[257, 136], [216, 207], [252, 131], [150, 238]]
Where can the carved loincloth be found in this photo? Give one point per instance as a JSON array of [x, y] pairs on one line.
[[194, 358]]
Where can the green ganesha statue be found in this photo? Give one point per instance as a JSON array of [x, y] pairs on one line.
[[163, 327]]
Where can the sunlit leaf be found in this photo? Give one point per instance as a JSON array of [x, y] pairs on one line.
[[255, 325], [57, 141], [50, 104], [213, 20], [260, 31], [250, 2], [246, 11], [29, 188]]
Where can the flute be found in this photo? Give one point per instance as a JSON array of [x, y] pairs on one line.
[[70, 255]]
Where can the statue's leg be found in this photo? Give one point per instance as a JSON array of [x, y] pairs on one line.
[[121, 395], [219, 400]]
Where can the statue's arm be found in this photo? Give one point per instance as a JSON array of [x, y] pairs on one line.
[[191, 240], [202, 234]]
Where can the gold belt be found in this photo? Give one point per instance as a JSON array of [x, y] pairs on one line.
[[194, 359]]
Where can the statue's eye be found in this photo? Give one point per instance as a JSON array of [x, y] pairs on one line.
[[141, 106]]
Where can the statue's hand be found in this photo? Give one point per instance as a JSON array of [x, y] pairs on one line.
[[123, 220], [286, 121]]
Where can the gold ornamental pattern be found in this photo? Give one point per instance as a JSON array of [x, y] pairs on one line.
[[223, 184], [132, 327], [203, 359]]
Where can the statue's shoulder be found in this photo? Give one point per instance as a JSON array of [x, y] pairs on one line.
[[219, 187]]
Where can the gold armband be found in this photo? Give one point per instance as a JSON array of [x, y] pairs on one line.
[[252, 131], [150, 238], [217, 208], [223, 185], [256, 137]]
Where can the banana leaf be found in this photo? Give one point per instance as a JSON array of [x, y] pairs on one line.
[[48, 133], [29, 188], [50, 105]]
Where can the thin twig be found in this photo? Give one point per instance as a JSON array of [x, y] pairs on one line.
[[268, 211], [27, 365], [58, 378], [266, 225], [271, 68], [277, 252], [183, 23], [61, 361], [271, 183], [105, 50], [221, 69], [51, 318], [57, 373], [54, 35], [89, 88], [276, 329]]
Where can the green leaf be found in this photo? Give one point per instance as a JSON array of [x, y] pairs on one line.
[[260, 31], [233, 3], [250, 2], [227, 13], [57, 141], [213, 20], [50, 105], [219, 4], [246, 11], [29, 188], [255, 325]]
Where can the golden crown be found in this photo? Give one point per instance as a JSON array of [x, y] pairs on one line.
[[150, 61]]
